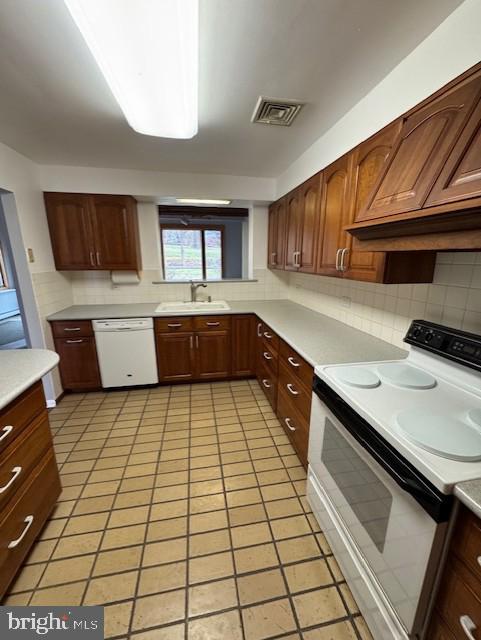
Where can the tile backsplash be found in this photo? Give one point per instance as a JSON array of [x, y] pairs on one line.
[[453, 299]]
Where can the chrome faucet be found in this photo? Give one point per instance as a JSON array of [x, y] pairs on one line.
[[193, 290]]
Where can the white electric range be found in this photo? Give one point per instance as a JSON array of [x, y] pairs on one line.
[[388, 441]]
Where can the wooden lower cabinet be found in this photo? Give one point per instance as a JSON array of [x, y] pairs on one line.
[[212, 355], [79, 368], [243, 346], [175, 356]]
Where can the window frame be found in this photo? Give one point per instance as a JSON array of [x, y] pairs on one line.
[[195, 227], [3, 271]]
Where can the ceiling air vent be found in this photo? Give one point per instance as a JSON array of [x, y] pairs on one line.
[[272, 111]]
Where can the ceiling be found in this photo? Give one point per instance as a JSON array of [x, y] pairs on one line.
[[56, 108]]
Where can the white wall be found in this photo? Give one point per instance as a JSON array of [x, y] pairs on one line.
[[446, 53]]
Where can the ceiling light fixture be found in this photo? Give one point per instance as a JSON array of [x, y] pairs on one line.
[[202, 201], [148, 53]]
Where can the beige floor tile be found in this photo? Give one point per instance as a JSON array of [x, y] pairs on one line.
[[363, 629], [117, 619], [126, 517], [211, 597], [117, 560], [206, 487], [165, 529], [283, 508], [124, 536], [17, 600], [211, 542], [247, 515], [278, 491], [133, 499], [209, 473], [28, 578], [163, 552], [296, 549], [53, 529], [170, 632], [268, 620], [93, 505], [84, 524], [163, 510], [308, 575], [65, 595], [172, 478], [69, 570], [243, 497], [290, 527], [166, 494], [337, 631], [162, 578], [218, 627], [158, 609], [77, 545], [261, 586], [250, 534], [111, 588], [255, 558], [41, 551], [208, 521], [349, 598], [100, 489], [240, 482], [203, 504], [219, 565], [319, 606]]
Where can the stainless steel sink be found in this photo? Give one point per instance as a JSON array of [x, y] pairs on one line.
[[190, 307]]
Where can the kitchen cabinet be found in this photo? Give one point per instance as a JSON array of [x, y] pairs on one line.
[[75, 344], [334, 216], [277, 235], [458, 603], [27, 498], [93, 232], [293, 230], [243, 346], [267, 361], [175, 356], [213, 357]]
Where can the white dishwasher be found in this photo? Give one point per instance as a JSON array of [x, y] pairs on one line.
[[126, 352]]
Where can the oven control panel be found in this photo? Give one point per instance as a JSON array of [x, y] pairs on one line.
[[454, 344]]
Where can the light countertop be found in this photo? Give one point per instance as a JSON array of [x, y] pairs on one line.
[[469, 493], [319, 339], [20, 368]]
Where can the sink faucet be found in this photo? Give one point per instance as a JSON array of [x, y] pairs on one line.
[[193, 290]]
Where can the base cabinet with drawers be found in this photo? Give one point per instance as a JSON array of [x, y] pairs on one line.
[[29, 479], [75, 343], [457, 611]]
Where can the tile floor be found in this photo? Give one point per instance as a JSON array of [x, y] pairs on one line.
[[183, 512]]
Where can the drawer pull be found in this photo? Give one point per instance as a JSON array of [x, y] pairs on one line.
[[267, 335], [6, 430], [292, 389], [71, 328], [267, 355], [478, 558], [288, 422], [291, 361], [74, 341], [174, 325], [16, 471], [266, 384], [14, 543], [259, 329], [212, 324], [468, 626]]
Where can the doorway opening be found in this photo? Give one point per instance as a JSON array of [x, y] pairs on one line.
[[12, 327]]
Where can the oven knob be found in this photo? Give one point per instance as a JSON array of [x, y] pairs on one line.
[[429, 337], [416, 332]]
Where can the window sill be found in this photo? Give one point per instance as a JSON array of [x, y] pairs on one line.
[[204, 281]]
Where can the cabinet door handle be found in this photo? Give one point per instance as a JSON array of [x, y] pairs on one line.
[[72, 329], [6, 430], [267, 355], [468, 626], [292, 389], [74, 341], [267, 335], [478, 559], [16, 471], [14, 543], [288, 423], [191, 342], [266, 384], [337, 259], [92, 259], [259, 329], [197, 341], [212, 324], [174, 325], [292, 362], [343, 254], [97, 253], [273, 257]]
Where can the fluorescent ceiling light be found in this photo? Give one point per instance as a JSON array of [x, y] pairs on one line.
[[202, 201], [148, 52]]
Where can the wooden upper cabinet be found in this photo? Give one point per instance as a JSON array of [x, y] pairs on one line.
[[93, 232], [293, 226], [277, 235], [421, 151], [309, 225], [69, 222], [334, 216]]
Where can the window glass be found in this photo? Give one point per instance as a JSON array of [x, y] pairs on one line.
[[213, 254], [192, 253]]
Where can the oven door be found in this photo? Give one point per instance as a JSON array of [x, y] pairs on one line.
[[380, 503]]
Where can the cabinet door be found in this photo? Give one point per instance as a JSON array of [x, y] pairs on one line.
[[309, 232], [293, 224], [175, 356], [277, 235], [334, 216], [243, 350], [213, 355], [68, 216], [460, 178], [368, 160], [116, 232], [79, 367], [420, 152]]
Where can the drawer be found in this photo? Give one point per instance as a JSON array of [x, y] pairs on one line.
[[268, 357], [173, 324], [25, 517], [19, 413], [294, 424], [299, 396], [270, 338], [211, 323], [72, 328], [459, 599], [19, 459], [467, 541], [296, 365], [268, 383]]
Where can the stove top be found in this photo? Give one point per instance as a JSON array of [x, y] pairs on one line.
[[427, 406]]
